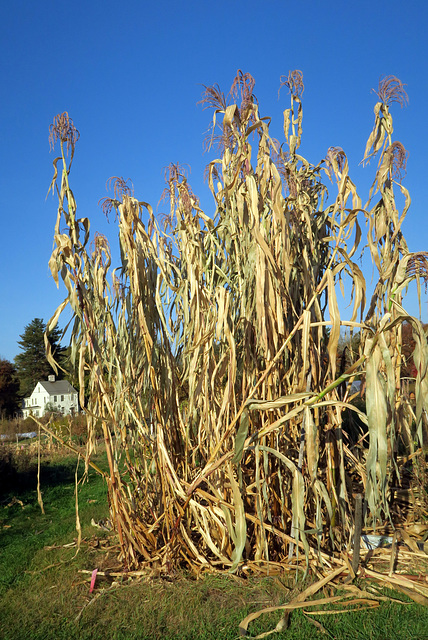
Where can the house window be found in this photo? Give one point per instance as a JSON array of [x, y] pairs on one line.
[[55, 398], [62, 398]]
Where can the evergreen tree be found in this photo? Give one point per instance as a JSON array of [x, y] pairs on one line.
[[32, 364], [9, 390]]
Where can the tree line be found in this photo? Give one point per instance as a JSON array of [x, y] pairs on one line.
[[18, 378]]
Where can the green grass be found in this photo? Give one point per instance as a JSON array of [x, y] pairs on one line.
[[44, 596]]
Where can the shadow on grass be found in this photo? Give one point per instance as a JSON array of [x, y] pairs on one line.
[[18, 473]]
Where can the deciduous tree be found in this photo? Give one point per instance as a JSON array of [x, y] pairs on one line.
[[9, 389]]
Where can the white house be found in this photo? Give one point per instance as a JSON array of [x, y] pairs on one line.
[[52, 395]]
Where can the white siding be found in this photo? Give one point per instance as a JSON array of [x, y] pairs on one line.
[[65, 403]]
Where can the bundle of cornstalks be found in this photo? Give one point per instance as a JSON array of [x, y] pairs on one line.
[[210, 355]]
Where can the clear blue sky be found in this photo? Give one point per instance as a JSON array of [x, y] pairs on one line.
[[130, 75]]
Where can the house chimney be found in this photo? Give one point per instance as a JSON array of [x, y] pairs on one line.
[[51, 378]]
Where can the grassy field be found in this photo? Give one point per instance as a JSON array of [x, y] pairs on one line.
[[44, 594]]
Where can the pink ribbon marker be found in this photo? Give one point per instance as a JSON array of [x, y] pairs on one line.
[[93, 578]]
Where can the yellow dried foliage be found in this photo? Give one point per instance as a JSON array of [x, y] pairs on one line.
[[210, 355]]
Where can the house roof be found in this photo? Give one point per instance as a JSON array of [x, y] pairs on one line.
[[58, 387]]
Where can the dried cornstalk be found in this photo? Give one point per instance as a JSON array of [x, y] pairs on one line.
[[210, 355]]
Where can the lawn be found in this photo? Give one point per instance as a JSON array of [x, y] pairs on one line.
[[45, 580]]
